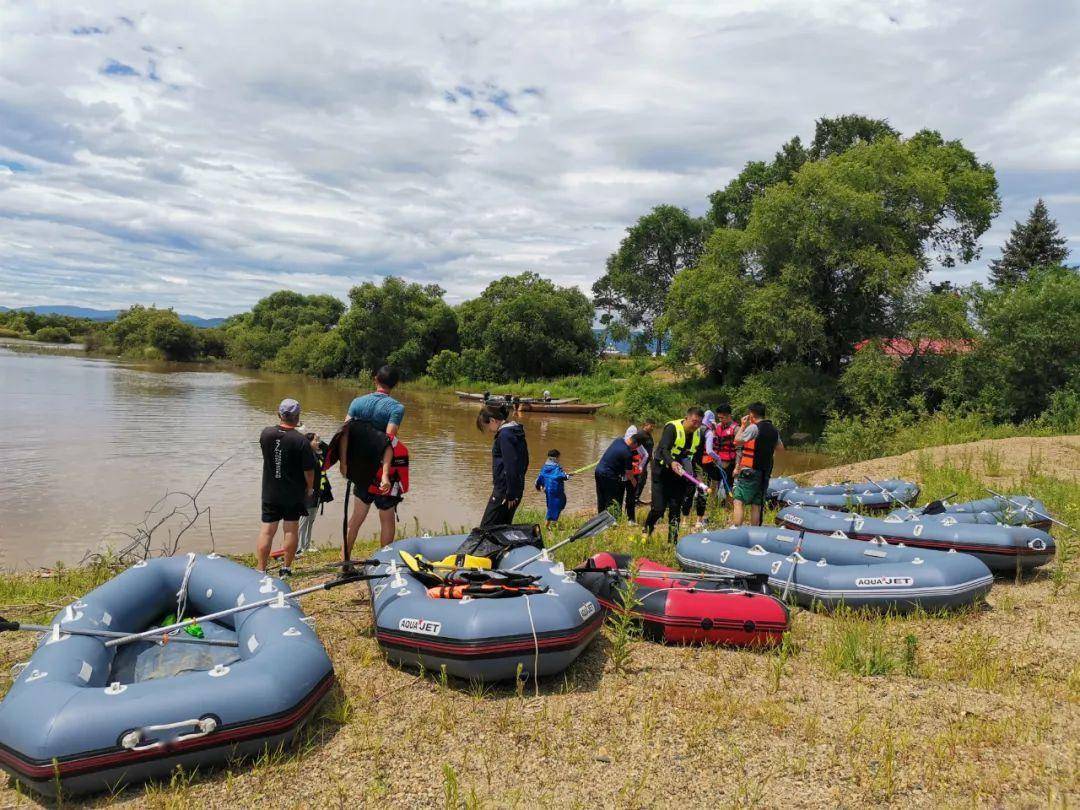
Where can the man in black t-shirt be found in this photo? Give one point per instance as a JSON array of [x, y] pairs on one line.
[[288, 482], [610, 475]]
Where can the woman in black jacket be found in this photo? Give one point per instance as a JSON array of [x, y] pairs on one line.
[[509, 461]]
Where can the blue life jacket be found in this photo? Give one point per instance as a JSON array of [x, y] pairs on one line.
[[551, 478]]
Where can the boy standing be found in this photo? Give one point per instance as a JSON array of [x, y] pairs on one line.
[[552, 480]]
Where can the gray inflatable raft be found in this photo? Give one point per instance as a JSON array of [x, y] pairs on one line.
[[88, 717], [852, 496], [830, 571], [1002, 548], [778, 486], [481, 639], [1017, 510]]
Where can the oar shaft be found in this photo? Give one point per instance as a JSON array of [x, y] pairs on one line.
[[890, 496], [1023, 508], [221, 614], [157, 636]]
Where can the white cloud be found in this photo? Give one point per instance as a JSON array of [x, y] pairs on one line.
[[211, 153]]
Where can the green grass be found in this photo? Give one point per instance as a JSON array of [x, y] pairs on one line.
[[865, 437]]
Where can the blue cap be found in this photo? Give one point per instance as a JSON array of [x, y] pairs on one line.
[[289, 409]]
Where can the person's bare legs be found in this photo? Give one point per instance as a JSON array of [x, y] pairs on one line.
[[755, 515], [266, 542], [292, 537], [387, 526], [737, 513], [356, 520]]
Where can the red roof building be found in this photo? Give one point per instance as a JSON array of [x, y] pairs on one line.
[[904, 348]]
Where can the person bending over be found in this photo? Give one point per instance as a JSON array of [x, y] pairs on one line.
[[615, 464]]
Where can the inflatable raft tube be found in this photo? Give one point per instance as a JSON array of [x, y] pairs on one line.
[[684, 611], [830, 571], [852, 496], [1002, 548], [481, 639], [778, 486], [1022, 511], [87, 718]]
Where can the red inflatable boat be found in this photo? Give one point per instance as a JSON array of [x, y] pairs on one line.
[[683, 610]]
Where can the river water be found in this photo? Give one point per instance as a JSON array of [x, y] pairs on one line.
[[91, 444]]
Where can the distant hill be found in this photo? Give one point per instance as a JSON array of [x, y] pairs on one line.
[[107, 314]]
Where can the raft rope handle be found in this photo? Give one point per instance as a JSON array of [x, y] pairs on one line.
[[181, 595], [536, 648], [205, 725]]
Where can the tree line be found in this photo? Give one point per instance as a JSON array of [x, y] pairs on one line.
[[804, 285]]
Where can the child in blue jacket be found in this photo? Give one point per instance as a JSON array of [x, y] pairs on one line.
[[551, 480]]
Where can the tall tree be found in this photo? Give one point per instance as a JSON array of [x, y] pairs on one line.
[[525, 326], [640, 272], [833, 136], [846, 240], [1032, 244], [730, 206], [399, 323]]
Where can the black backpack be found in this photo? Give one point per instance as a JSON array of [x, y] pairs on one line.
[[495, 541]]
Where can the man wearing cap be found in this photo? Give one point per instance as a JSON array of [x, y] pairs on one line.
[[288, 482]]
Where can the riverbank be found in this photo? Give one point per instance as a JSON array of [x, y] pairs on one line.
[[979, 707]]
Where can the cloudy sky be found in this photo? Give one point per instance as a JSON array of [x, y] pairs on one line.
[[201, 155]]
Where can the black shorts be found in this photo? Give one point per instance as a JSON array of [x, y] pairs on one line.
[[382, 502], [273, 512]]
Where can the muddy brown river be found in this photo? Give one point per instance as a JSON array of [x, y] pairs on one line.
[[91, 444]]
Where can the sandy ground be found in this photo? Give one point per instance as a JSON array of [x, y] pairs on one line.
[[980, 708], [997, 461]]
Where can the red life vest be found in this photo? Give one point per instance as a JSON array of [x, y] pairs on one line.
[[724, 443], [399, 471]]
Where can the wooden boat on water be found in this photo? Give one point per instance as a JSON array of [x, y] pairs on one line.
[[513, 400], [558, 407]]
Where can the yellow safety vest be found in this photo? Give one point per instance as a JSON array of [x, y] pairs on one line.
[[679, 449]]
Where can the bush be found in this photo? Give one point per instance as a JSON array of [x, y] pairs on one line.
[[312, 351], [647, 398], [9, 333], [445, 367], [1064, 412], [796, 398], [53, 334], [477, 364]]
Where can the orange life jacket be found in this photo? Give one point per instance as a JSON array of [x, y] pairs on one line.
[[746, 460], [399, 470]]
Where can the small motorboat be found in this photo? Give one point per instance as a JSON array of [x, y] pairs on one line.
[[684, 609], [1013, 510], [83, 717], [510, 399], [1002, 548], [539, 406], [851, 496], [482, 639], [815, 569]]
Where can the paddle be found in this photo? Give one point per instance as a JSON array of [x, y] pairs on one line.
[[590, 529], [1029, 510], [57, 630], [690, 576], [936, 507], [280, 599]]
